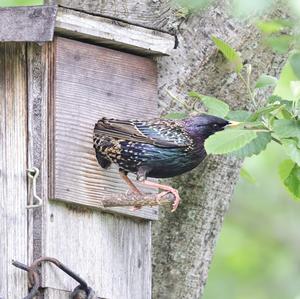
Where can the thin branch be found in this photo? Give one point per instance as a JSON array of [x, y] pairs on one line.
[[182, 103], [127, 200], [252, 98], [276, 140]]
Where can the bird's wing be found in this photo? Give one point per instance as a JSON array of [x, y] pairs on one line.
[[162, 133]]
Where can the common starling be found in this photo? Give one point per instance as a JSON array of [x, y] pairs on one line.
[[158, 148]]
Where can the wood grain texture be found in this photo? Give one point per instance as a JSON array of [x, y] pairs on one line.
[[13, 181], [157, 15], [39, 67], [92, 82], [114, 34], [101, 247], [35, 23], [112, 253]]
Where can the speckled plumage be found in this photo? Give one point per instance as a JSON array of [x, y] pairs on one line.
[[157, 148]]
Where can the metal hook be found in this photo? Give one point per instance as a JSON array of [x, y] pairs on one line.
[[33, 174], [82, 291]]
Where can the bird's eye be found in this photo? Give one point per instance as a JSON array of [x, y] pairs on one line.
[[215, 126]]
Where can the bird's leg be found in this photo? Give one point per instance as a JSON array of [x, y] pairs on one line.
[[131, 186], [165, 188], [128, 181]]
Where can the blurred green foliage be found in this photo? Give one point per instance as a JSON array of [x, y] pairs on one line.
[[257, 255], [10, 3]]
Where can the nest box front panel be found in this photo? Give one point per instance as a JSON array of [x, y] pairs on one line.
[[91, 82]]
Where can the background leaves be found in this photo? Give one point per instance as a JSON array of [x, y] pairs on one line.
[[230, 54], [290, 175], [213, 105], [227, 141], [10, 3], [255, 146]]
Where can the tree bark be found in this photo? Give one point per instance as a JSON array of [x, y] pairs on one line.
[[184, 241]]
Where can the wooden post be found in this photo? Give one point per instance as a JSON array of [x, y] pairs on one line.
[[13, 163]]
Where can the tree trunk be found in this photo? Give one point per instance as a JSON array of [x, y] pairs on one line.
[[184, 241]]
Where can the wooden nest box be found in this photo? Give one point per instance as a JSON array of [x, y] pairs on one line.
[[60, 71]]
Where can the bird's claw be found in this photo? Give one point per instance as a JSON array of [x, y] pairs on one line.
[[177, 199], [176, 195], [160, 195]]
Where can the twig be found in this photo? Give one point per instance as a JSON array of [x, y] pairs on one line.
[[248, 90], [276, 140], [126, 200], [182, 103]]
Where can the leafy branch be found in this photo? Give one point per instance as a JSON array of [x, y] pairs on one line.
[[277, 121]]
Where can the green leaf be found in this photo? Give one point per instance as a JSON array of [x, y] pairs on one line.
[[230, 54], [175, 115], [295, 63], [262, 111], [286, 111], [10, 3], [269, 26], [238, 115], [285, 168], [213, 105], [255, 146], [287, 128], [273, 26], [265, 80], [292, 149], [279, 44], [195, 94], [283, 87], [290, 175], [274, 99], [295, 89], [227, 141], [247, 176]]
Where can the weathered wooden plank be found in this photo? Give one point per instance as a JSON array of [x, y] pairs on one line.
[[92, 82], [108, 32], [13, 181], [151, 14], [75, 235], [35, 23], [39, 79], [112, 253]]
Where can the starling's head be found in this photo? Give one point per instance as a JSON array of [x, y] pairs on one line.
[[204, 125]]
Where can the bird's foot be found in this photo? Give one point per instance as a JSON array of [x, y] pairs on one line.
[[177, 199], [165, 188], [160, 195], [175, 193]]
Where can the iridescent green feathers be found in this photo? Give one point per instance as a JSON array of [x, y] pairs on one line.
[[158, 147]]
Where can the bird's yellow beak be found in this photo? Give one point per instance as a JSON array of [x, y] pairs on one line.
[[233, 123]]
